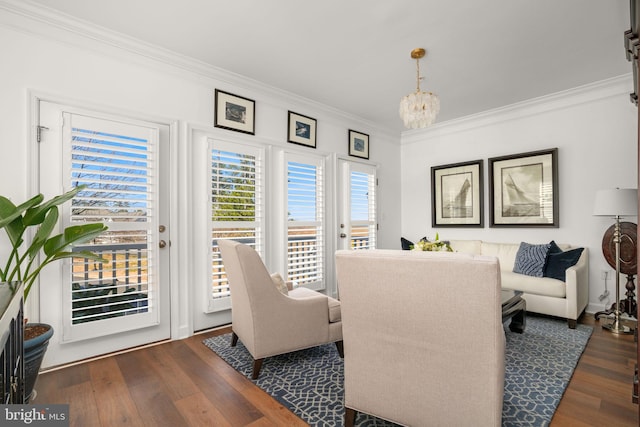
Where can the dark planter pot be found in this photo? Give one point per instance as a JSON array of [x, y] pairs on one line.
[[34, 350]]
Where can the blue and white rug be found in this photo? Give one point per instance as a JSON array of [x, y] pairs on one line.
[[539, 365]]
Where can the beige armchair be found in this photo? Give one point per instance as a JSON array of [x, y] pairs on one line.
[[267, 321], [423, 337]]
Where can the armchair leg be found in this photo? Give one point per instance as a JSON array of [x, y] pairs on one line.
[[349, 417], [234, 339], [257, 365], [572, 323], [340, 347]]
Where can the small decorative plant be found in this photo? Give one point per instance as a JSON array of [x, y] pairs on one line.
[[23, 264], [436, 245]]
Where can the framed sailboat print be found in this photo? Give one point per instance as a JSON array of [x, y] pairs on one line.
[[456, 195], [524, 190]]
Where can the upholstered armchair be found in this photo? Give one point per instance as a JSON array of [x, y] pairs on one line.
[[423, 337], [267, 321]]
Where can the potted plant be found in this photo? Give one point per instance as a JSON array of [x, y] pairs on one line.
[[27, 259]]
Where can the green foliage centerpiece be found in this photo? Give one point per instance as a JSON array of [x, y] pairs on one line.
[[433, 246]]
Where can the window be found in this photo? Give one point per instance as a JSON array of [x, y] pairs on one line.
[[118, 170], [363, 210], [236, 204], [305, 221]]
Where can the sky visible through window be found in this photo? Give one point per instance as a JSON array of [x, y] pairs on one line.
[[115, 169], [301, 192]]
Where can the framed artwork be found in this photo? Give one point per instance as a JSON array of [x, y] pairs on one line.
[[524, 190], [358, 144], [234, 112], [457, 195], [301, 130]]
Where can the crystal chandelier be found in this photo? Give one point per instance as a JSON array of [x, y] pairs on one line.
[[419, 109]]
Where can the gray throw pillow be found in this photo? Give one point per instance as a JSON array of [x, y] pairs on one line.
[[531, 259]]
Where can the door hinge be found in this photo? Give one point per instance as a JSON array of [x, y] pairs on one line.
[[39, 132]]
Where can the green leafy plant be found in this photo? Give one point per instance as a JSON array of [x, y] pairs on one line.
[[24, 263]]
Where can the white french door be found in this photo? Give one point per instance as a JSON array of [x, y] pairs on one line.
[[357, 185], [97, 308]]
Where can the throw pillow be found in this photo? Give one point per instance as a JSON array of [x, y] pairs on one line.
[[531, 259], [554, 248], [406, 244], [279, 282], [558, 262]]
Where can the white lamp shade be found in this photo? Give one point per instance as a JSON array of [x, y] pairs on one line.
[[616, 202]]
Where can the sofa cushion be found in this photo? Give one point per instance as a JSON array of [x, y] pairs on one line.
[[533, 285], [335, 314], [558, 261], [466, 246], [505, 252], [333, 305], [531, 259]]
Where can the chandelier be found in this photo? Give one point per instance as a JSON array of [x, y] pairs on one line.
[[419, 109]]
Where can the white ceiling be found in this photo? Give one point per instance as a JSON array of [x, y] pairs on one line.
[[354, 54]]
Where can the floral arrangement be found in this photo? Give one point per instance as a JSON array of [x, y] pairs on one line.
[[436, 245]]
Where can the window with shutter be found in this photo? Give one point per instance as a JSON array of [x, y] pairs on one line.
[[305, 221], [363, 210], [117, 163], [237, 206]]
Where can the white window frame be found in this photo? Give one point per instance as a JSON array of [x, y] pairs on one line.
[[371, 221], [224, 303], [321, 209]]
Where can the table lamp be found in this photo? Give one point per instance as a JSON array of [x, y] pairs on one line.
[[616, 203]]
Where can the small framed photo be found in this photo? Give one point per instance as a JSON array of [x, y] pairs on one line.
[[358, 144], [301, 130], [234, 112], [457, 195], [524, 190]]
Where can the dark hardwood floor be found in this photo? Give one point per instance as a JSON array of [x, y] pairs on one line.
[[183, 383]]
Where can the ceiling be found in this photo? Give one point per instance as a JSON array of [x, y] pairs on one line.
[[354, 55]]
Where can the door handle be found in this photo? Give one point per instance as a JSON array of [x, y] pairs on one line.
[[162, 244]]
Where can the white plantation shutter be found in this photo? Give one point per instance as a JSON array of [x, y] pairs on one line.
[[237, 206], [305, 221], [117, 162], [363, 208]]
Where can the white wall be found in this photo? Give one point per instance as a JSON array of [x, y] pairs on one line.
[[116, 74], [594, 129]]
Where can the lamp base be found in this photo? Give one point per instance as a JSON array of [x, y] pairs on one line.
[[616, 327]]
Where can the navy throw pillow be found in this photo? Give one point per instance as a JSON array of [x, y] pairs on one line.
[[406, 244], [531, 259], [554, 248], [558, 262]]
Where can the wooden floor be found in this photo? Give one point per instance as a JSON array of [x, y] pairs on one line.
[[183, 383]]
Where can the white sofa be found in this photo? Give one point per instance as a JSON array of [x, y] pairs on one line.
[[543, 294], [413, 354]]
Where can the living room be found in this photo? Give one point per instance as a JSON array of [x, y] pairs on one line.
[[56, 58]]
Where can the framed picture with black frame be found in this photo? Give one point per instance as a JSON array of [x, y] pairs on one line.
[[457, 195], [301, 130], [358, 144], [524, 189], [234, 112]]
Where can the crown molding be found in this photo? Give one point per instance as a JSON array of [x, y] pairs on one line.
[[615, 86], [44, 22]]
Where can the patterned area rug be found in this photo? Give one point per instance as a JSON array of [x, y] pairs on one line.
[[540, 363]]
